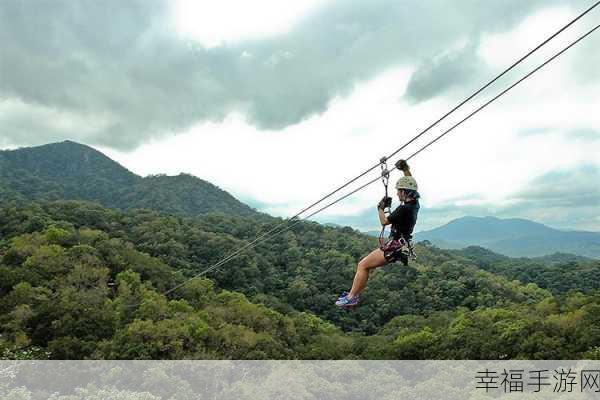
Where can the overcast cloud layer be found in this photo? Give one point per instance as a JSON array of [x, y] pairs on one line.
[[116, 73], [345, 84]]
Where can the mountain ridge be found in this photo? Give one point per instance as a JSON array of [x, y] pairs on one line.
[[74, 171], [515, 237]]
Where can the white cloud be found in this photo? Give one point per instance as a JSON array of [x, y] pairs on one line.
[[216, 23], [40, 124], [486, 158], [499, 49], [483, 163], [129, 63], [295, 165]]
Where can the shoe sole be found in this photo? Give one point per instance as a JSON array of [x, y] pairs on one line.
[[347, 305]]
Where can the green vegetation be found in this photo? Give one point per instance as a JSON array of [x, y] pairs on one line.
[[81, 281], [558, 273], [73, 171]]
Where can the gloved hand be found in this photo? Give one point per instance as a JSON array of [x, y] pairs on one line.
[[385, 203], [402, 165]]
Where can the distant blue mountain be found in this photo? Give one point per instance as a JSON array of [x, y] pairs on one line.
[[512, 237]]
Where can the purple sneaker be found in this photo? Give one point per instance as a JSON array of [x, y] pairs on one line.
[[346, 301], [344, 294]]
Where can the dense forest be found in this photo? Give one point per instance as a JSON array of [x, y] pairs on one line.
[[78, 280], [73, 171]]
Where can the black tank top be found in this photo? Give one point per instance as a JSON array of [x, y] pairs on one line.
[[403, 219]]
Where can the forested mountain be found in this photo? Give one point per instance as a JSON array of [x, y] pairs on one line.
[[69, 170], [512, 237], [558, 273], [81, 281]]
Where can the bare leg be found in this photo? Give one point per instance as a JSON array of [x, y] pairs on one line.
[[375, 259]]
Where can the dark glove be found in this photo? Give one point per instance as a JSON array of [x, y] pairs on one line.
[[386, 202], [402, 165]]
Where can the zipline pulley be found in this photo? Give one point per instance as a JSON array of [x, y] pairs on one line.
[[387, 201], [385, 177]]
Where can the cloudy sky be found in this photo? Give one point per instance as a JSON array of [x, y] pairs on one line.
[[281, 102]]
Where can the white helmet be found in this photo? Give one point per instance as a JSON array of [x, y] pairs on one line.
[[407, 182]]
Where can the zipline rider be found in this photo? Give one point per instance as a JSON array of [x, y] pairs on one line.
[[398, 247]]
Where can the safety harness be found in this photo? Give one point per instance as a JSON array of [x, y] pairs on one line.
[[393, 249]]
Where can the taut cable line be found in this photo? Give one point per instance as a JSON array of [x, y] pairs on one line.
[[293, 221]]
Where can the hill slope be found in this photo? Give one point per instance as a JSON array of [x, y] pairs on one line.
[[513, 237], [73, 171]]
